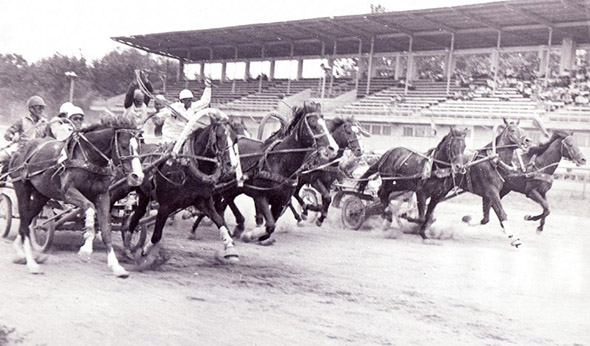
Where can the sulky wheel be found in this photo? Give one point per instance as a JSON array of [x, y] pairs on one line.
[[135, 240], [5, 215], [42, 230], [353, 213]]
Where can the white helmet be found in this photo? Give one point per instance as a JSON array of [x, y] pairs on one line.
[[75, 110], [185, 94], [65, 108]]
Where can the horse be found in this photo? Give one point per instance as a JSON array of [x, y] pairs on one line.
[[431, 175], [346, 133], [176, 186], [78, 172], [541, 162], [271, 167], [485, 172]]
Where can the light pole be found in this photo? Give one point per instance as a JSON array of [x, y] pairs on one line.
[[71, 75]]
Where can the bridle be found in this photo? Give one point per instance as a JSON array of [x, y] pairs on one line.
[[352, 138]]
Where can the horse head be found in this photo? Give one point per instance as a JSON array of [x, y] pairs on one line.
[[451, 148], [569, 148], [117, 139], [216, 143], [310, 129], [346, 133], [238, 127], [512, 135]]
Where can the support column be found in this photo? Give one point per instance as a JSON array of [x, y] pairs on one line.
[[223, 72], [271, 72], [549, 43], [568, 55], [397, 66], [359, 71], [369, 71], [247, 70], [202, 71], [409, 65], [299, 69], [449, 63], [180, 71]]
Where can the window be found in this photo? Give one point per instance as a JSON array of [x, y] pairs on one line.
[[386, 131], [408, 131], [375, 129]]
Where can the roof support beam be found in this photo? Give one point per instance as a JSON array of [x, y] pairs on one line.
[[530, 15], [401, 29], [576, 7], [354, 33], [441, 26]]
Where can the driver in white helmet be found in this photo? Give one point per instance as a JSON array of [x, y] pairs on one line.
[[179, 114]]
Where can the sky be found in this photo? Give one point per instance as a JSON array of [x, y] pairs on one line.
[[37, 29]]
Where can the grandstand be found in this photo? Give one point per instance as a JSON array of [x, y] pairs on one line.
[[384, 104]]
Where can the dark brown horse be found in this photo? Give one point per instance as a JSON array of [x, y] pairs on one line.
[[432, 175], [78, 172], [541, 162], [176, 186], [346, 133], [487, 168], [272, 167]]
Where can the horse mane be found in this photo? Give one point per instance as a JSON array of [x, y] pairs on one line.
[[298, 113], [542, 147], [112, 122], [335, 123]]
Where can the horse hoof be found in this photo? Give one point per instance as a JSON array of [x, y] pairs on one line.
[[228, 256], [246, 237], [527, 218], [319, 223], [35, 269], [539, 231], [121, 273], [192, 236], [41, 258], [428, 241], [516, 243], [84, 256], [238, 231], [267, 242], [19, 260], [303, 216]]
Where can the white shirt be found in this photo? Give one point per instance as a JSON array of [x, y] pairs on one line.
[[175, 122]]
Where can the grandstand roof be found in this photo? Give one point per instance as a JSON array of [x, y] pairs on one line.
[[522, 23]]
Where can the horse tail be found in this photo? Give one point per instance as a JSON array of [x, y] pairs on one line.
[[364, 179]]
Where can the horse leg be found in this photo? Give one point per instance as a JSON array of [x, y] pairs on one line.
[[428, 218], [503, 218], [229, 253], [326, 200], [262, 205], [295, 213], [193, 234], [486, 206], [151, 249], [102, 203], [29, 205], [302, 204], [421, 206], [140, 210], [75, 197], [240, 219], [540, 199]]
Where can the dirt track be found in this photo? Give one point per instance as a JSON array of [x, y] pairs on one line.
[[318, 286]]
